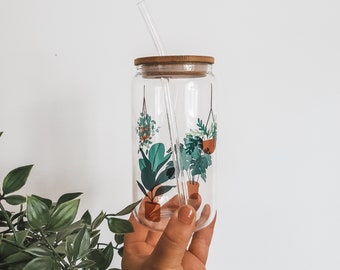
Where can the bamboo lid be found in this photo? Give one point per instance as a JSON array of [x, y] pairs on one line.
[[174, 59]]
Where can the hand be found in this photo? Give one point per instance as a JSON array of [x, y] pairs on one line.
[[150, 250]]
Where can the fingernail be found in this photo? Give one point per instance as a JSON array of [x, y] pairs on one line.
[[186, 215]]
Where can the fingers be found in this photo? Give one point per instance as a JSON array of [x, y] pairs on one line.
[[135, 248], [201, 241], [194, 200], [171, 247], [205, 214], [191, 262], [140, 232]]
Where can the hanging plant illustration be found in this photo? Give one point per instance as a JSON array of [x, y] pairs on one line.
[[146, 129], [155, 171], [209, 135], [146, 126], [208, 131]]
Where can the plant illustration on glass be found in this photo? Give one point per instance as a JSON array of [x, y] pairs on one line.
[[155, 171], [146, 126], [207, 131], [208, 135], [196, 151], [194, 161]]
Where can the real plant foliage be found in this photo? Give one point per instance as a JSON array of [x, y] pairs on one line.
[[46, 235]]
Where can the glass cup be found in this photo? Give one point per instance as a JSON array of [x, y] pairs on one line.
[[174, 138]]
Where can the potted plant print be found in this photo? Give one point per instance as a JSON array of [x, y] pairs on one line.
[[155, 171], [194, 161]]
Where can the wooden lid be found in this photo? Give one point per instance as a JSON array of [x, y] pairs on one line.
[[174, 59]]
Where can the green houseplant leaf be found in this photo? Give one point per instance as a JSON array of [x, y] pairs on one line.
[[43, 234], [17, 258], [85, 264], [108, 253], [37, 213], [73, 228], [98, 220], [15, 199], [48, 202], [20, 237], [42, 263], [68, 197], [128, 209], [119, 238], [63, 215], [103, 258], [8, 247], [81, 244], [119, 226], [39, 251], [86, 218], [99, 258], [16, 179]]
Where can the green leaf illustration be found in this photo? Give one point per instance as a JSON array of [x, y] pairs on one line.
[[165, 176], [148, 178], [142, 189], [163, 189]]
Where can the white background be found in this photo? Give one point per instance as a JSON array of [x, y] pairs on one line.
[[65, 74]]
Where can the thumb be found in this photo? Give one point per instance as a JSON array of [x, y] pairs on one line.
[[171, 247]]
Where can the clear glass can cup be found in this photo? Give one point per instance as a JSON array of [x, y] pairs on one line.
[[174, 138]]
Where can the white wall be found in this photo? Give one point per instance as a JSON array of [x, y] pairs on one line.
[[65, 73]]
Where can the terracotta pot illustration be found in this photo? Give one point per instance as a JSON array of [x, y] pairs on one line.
[[153, 211], [209, 146], [193, 189]]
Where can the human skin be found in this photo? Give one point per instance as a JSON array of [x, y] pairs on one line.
[[177, 248]]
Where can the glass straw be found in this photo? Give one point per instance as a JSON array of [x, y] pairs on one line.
[[174, 140], [151, 27]]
